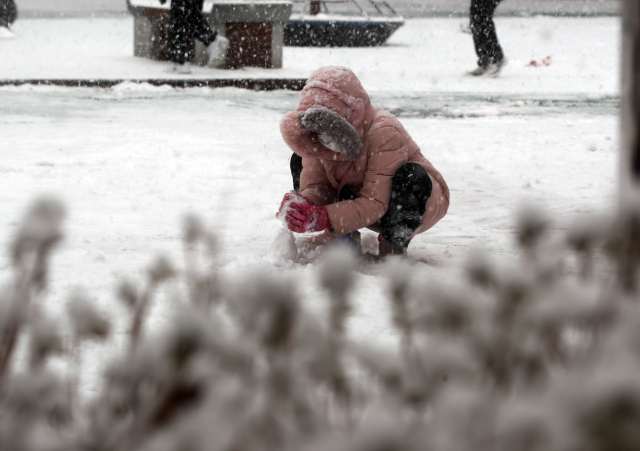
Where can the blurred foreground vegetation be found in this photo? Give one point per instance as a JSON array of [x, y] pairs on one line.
[[524, 358]]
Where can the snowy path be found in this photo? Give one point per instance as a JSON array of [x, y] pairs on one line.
[[425, 55]]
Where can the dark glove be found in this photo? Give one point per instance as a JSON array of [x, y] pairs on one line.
[[162, 2], [333, 131]]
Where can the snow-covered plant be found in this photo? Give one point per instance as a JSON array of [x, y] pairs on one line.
[[399, 282], [538, 354]]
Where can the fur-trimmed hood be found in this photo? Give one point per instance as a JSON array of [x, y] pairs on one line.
[[369, 147], [336, 89]]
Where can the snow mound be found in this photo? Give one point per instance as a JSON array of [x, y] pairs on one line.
[[283, 248]]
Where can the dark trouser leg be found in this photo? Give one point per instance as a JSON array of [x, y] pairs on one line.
[[296, 169], [179, 30], [8, 12], [200, 28], [410, 191], [187, 21], [483, 29]]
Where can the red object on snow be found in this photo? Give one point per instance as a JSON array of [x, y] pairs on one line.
[[544, 62], [307, 218]]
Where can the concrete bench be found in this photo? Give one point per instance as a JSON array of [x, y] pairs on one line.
[[255, 30]]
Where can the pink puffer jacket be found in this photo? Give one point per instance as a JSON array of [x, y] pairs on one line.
[[386, 147]]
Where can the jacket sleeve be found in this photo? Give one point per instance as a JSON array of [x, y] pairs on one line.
[[387, 153], [315, 184]]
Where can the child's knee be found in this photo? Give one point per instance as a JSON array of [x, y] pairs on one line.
[[411, 187]]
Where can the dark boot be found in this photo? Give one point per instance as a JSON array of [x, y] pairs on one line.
[[410, 191]]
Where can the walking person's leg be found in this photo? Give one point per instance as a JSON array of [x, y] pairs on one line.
[[201, 30], [8, 15], [8, 12], [4, 13], [179, 31], [199, 26], [485, 38]]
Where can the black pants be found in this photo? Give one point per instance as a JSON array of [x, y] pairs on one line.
[[410, 190], [8, 12], [187, 22], [483, 29]]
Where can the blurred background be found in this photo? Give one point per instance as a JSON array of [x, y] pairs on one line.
[[407, 8]]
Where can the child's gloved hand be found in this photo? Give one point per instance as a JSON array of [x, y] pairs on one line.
[[300, 215], [307, 218], [291, 196]]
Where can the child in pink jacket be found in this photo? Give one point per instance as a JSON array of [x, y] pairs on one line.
[[355, 166]]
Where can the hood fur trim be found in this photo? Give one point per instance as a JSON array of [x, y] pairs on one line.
[[323, 121]]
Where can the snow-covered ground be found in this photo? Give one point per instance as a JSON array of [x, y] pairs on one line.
[[426, 55], [130, 161]]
